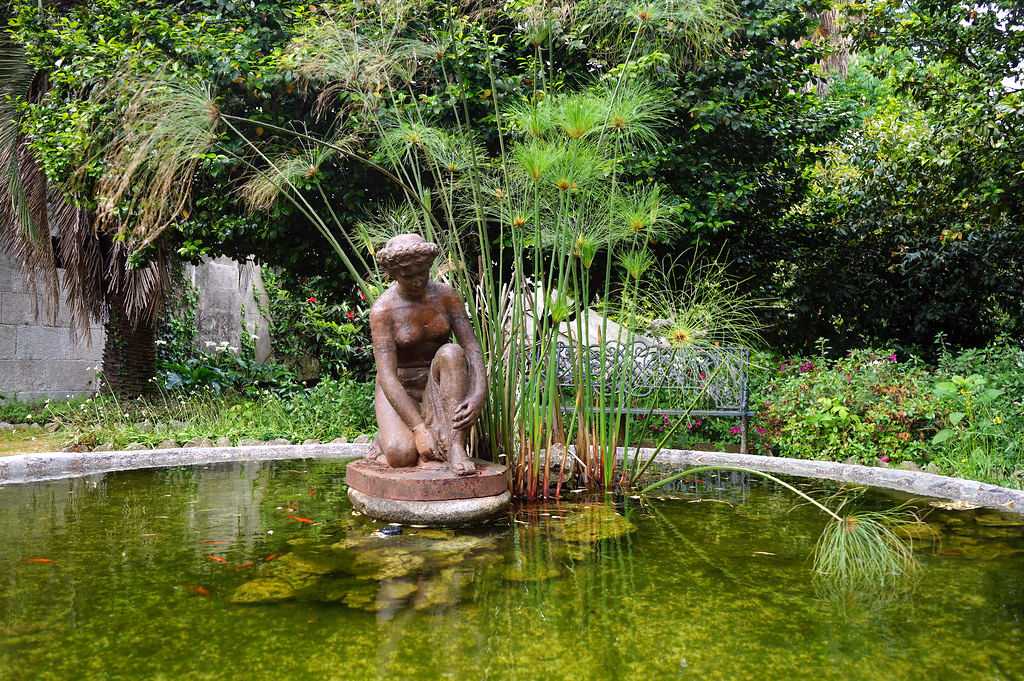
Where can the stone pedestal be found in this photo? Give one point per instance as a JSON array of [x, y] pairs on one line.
[[427, 495]]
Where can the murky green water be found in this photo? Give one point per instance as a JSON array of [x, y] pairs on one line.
[[147, 566]]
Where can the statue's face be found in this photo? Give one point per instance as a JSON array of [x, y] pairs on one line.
[[413, 279]]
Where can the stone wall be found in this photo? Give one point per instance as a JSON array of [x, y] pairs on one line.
[[38, 357], [227, 291]]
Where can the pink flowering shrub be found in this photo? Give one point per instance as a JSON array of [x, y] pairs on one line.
[[866, 405]]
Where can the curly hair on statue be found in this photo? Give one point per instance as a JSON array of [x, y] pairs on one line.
[[406, 250]]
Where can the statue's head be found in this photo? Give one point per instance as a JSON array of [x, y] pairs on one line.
[[407, 259]]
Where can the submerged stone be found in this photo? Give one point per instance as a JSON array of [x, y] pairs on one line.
[[592, 524], [433, 533], [442, 591], [999, 520], [263, 590], [918, 531], [387, 564], [311, 564], [531, 571]]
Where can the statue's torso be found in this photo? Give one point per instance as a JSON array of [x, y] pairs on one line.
[[418, 328]]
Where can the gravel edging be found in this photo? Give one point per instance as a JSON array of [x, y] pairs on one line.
[[21, 468]]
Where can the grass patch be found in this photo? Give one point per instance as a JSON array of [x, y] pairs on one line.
[[29, 442], [332, 409]]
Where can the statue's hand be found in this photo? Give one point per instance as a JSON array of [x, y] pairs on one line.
[[467, 413], [426, 444]]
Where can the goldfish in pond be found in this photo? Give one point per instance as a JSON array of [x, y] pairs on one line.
[[301, 520], [216, 542], [242, 565], [198, 589], [216, 558], [272, 556], [37, 560]]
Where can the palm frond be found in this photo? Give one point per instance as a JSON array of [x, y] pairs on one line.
[[24, 218], [170, 125]]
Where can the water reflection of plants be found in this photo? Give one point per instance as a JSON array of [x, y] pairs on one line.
[[857, 551]]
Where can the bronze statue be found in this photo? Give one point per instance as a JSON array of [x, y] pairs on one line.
[[429, 391]]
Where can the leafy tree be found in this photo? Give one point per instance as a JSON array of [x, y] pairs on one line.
[[98, 280], [914, 223]]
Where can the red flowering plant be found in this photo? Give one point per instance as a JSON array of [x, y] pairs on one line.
[[318, 331], [867, 405]]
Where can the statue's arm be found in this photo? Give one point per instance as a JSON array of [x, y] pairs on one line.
[[386, 358], [462, 327]]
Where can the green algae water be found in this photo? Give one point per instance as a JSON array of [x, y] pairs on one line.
[[260, 571]]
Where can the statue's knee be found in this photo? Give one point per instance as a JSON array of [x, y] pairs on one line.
[[451, 353], [399, 452]]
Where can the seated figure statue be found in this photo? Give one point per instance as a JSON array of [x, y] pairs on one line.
[[429, 391]]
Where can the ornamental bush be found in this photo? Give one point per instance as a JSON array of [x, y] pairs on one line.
[[966, 416], [866, 405]]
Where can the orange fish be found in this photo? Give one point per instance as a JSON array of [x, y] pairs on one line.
[[198, 589], [301, 520], [951, 553], [311, 491], [272, 556], [36, 560], [216, 542], [216, 558], [238, 567]]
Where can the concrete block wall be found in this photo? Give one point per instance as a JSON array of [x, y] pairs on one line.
[[226, 289], [38, 357]]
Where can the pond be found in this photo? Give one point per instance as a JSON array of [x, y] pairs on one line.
[[213, 572]]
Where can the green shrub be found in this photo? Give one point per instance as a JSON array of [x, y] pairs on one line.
[[967, 416], [982, 434], [866, 405], [334, 408]]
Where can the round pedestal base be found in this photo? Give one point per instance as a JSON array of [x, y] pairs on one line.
[[427, 494], [426, 482], [443, 512]]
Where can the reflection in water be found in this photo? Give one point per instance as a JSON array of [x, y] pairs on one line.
[[200, 573]]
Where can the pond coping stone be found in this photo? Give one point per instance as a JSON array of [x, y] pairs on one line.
[[19, 468]]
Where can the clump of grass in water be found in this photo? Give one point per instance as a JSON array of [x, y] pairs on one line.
[[861, 549], [856, 551]]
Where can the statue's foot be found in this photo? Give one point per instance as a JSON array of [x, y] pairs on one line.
[[461, 465]]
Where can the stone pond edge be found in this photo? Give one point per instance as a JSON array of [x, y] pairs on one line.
[[21, 468]]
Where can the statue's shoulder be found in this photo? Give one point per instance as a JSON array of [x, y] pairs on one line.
[[447, 293], [382, 306]]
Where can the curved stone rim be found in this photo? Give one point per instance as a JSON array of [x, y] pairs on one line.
[[441, 513], [26, 468]]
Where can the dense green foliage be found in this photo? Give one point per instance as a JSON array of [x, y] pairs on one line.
[[735, 159], [966, 416], [914, 225], [314, 331]]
